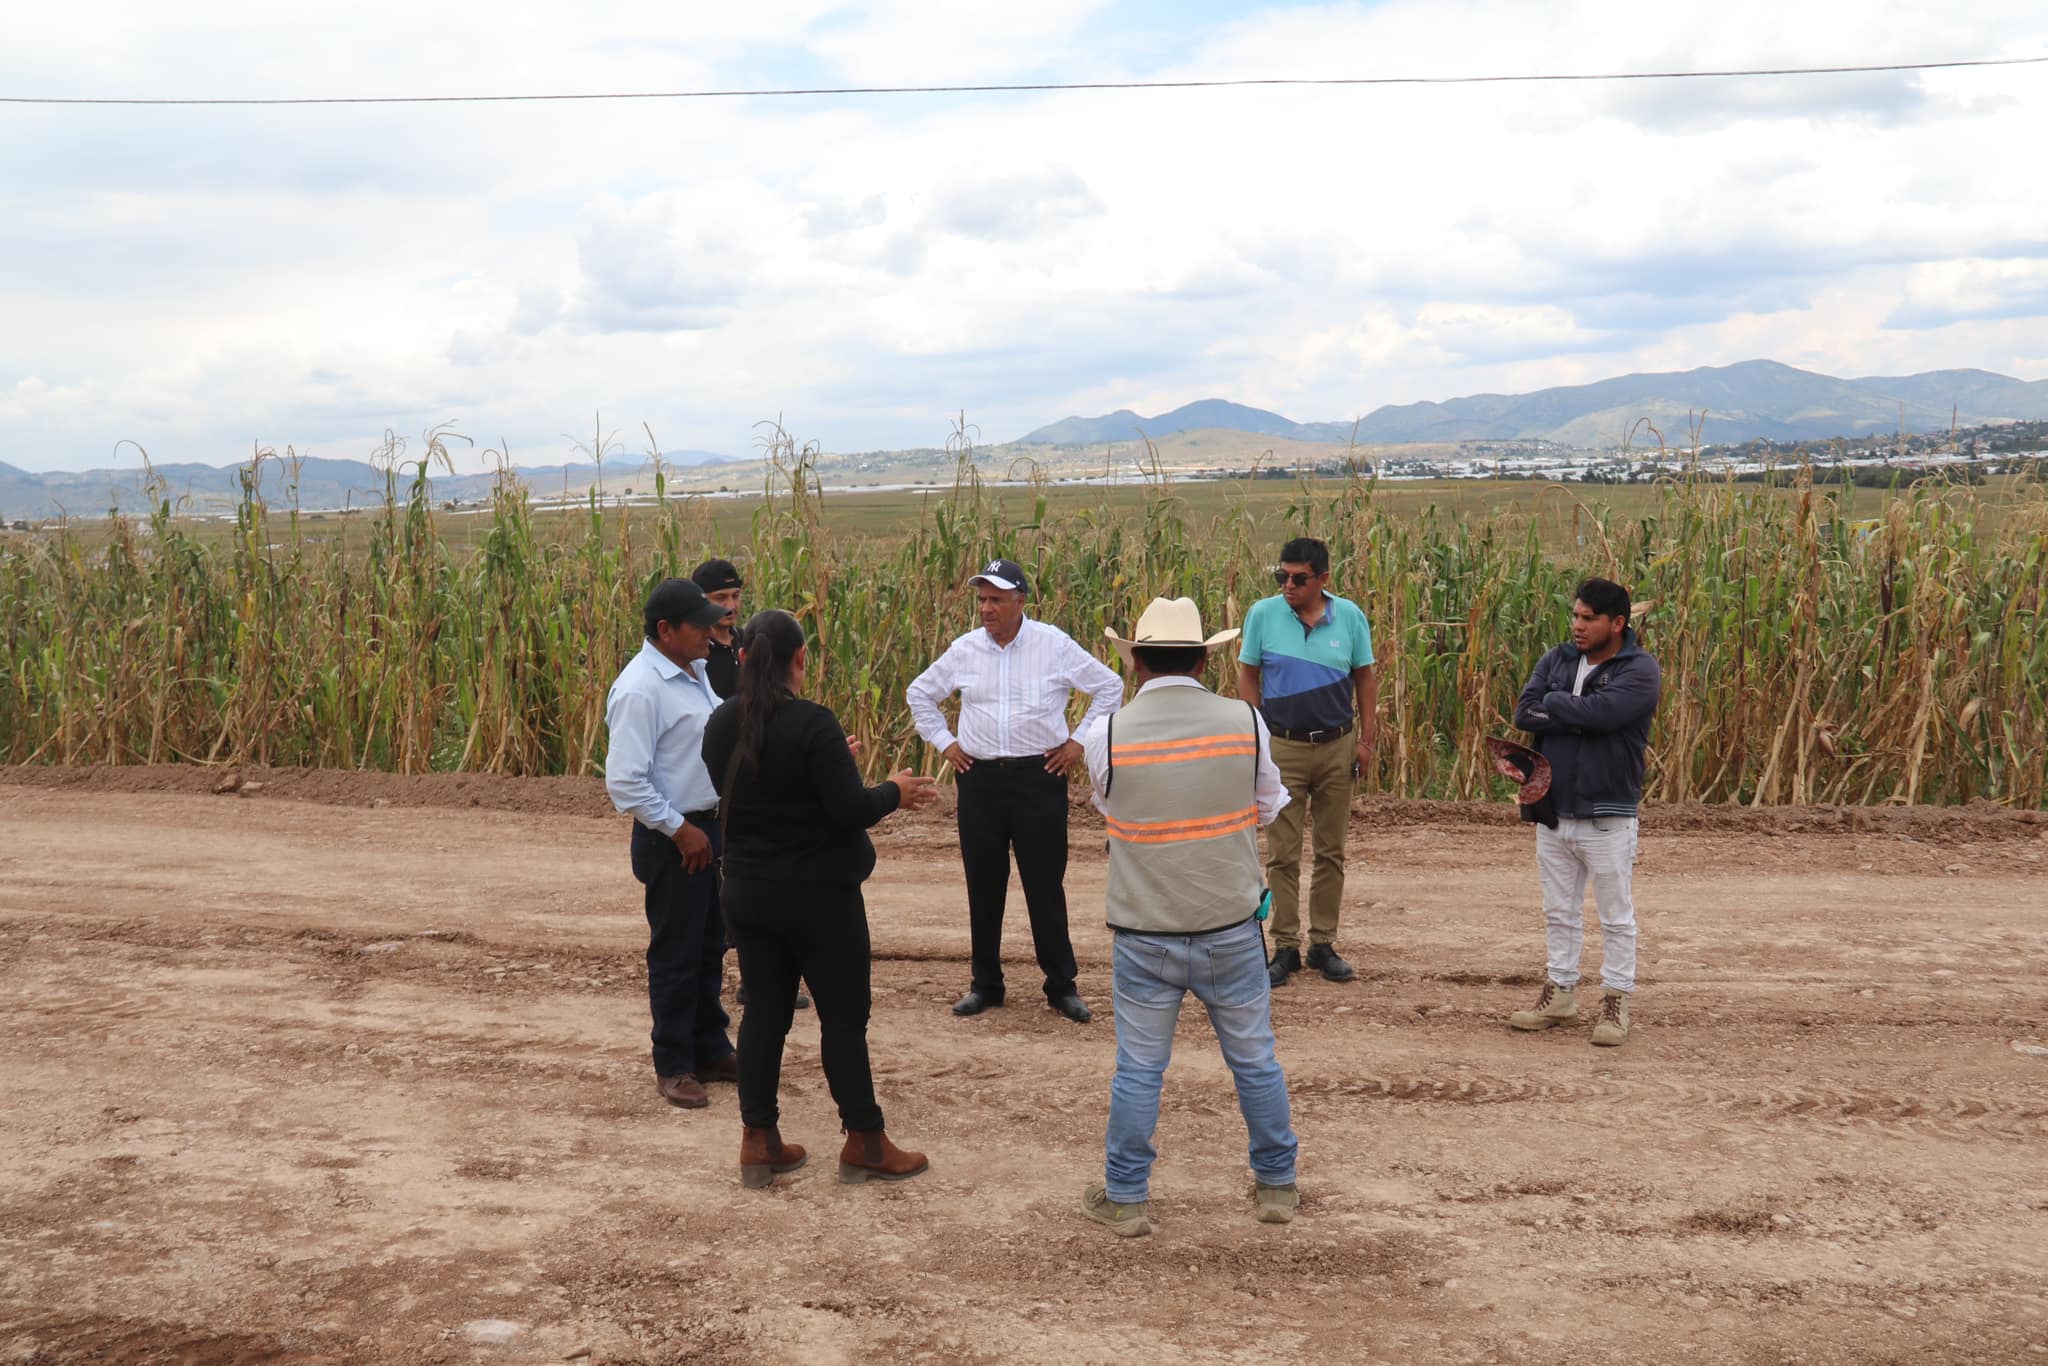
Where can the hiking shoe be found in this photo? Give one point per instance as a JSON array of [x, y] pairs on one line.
[[1556, 1006], [1611, 1029], [1323, 958], [1276, 1204], [1286, 962], [1125, 1221]]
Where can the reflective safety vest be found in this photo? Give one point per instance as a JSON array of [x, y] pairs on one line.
[[1183, 817]]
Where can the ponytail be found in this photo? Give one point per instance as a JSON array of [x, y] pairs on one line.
[[768, 644]]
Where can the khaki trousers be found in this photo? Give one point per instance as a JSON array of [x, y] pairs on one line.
[[1318, 779]]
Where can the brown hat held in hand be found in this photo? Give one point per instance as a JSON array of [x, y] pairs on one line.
[[1530, 772]]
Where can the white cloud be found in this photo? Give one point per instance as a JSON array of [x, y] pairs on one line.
[[199, 278], [1942, 292]]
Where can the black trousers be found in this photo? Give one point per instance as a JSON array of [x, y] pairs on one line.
[[816, 932], [685, 953], [1022, 807]]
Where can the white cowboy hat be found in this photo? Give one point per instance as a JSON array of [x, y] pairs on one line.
[[1172, 623]]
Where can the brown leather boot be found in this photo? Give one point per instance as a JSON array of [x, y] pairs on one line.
[[872, 1157], [764, 1156]]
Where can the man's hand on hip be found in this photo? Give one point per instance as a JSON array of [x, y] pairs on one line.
[[695, 847], [958, 758], [1060, 758]]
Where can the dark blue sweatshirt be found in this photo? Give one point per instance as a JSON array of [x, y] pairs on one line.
[[1595, 742]]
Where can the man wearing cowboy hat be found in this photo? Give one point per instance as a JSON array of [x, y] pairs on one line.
[[1184, 778], [1588, 706], [1010, 758]]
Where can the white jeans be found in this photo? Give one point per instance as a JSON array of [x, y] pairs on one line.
[[1601, 851]]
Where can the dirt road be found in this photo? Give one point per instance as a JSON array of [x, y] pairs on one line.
[[354, 1069]]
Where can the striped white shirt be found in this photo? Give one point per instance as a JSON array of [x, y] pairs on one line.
[[1013, 698]]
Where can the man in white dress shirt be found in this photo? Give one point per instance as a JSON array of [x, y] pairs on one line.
[[1011, 757], [654, 771]]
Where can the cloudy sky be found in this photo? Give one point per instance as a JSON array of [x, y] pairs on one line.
[[199, 280]]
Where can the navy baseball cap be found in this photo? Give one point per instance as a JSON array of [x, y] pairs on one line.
[[1002, 574], [680, 600], [717, 575]]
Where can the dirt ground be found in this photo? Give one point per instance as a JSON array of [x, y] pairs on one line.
[[353, 1068]]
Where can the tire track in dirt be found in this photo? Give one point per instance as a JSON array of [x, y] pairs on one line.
[[1670, 1102], [37, 1338]]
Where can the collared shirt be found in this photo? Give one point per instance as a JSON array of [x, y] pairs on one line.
[[722, 666], [1270, 792], [656, 711], [1013, 698], [1305, 670]]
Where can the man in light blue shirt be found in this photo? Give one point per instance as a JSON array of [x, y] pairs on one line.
[[655, 773]]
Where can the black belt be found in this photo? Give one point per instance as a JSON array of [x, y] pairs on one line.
[[1013, 761], [693, 817], [1187, 934], [1309, 737]]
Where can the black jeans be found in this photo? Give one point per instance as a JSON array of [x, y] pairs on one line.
[[1021, 806], [685, 953], [817, 931]]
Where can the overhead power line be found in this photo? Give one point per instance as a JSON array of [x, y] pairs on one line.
[[1033, 87]]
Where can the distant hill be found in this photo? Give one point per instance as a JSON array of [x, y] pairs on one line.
[[1207, 414], [321, 483], [1757, 398]]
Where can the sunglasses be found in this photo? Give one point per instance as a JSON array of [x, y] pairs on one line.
[[1285, 579]]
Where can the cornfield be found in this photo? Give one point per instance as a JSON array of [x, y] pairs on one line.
[[1810, 654]]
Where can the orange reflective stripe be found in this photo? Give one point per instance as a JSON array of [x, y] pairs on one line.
[[1186, 838], [1147, 746], [1203, 751], [1176, 832]]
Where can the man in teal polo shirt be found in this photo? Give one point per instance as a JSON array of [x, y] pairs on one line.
[[1306, 663]]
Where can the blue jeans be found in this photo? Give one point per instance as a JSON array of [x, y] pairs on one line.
[[1227, 973]]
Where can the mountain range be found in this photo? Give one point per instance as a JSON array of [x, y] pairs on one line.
[[1757, 398], [321, 483]]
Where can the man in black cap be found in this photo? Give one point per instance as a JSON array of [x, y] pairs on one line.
[[654, 771], [721, 583], [1011, 757]]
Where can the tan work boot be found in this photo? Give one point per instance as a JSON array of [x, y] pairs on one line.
[[1556, 1006], [1125, 1221], [1276, 1203], [872, 1157], [764, 1156], [1611, 1029]]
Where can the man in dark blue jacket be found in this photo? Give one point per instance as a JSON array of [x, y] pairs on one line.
[[1589, 705]]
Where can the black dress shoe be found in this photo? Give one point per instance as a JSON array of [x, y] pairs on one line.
[[803, 1002], [1073, 1007], [1323, 958], [1285, 964], [973, 1003]]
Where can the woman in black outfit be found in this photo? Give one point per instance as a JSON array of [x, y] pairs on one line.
[[795, 816]]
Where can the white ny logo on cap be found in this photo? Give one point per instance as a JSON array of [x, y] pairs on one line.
[[993, 567]]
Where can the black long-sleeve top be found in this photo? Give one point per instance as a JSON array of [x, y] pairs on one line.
[[802, 813]]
